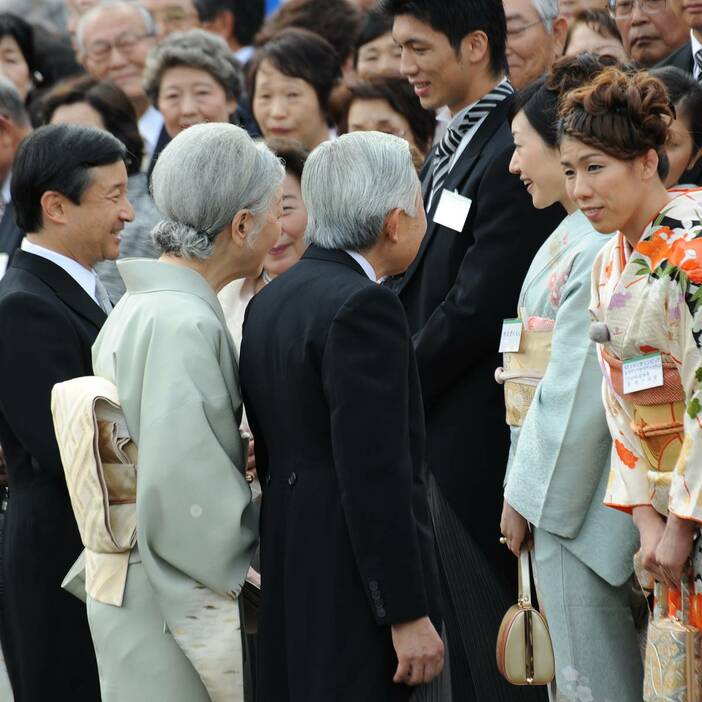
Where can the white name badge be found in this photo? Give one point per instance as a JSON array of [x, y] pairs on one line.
[[4, 259], [642, 372], [511, 336], [452, 211]]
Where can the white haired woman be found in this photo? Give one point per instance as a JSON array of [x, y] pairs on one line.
[[167, 350]]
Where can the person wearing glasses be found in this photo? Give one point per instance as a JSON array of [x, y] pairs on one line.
[[114, 39], [689, 56], [650, 30], [595, 32], [536, 33]]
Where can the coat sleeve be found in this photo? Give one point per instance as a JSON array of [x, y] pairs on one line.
[[465, 327], [365, 373], [564, 437], [40, 347], [194, 512]]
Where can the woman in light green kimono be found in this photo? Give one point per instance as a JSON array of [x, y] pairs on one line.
[[165, 346], [558, 464]]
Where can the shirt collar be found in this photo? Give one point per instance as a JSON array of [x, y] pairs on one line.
[[244, 54], [150, 126], [363, 262], [6, 193], [85, 277]]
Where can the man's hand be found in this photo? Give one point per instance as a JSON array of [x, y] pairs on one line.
[[514, 528], [674, 549], [420, 652]]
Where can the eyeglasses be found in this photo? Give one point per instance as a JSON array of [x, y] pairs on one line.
[[100, 50], [624, 8], [516, 32]]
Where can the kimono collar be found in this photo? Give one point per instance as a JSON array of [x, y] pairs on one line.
[[147, 275]]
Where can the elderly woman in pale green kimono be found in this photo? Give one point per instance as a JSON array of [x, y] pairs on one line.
[[166, 347], [558, 463]]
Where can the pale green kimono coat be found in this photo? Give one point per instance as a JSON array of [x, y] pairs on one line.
[[166, 348]]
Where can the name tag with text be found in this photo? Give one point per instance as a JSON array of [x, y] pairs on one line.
[[452, 211], [642, 372], [511, 336]]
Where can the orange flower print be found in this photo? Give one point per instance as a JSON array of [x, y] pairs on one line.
[[687, 255], [657, 247], [626, 456]]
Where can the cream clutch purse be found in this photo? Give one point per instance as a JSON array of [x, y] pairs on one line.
[[524, 648]]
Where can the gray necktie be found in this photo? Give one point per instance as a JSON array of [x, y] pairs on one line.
[[102, 297]]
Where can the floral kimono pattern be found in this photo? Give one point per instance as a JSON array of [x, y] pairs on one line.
[[649, 300]]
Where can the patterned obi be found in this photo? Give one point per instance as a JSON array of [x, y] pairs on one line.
[[522, 372], [99, 461], [657, 420]]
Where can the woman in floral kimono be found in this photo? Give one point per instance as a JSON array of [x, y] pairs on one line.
[[174, 634], [646, 300], [558, 463]]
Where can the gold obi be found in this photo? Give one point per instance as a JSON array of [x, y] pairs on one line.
[[99, 462], [522, 372], [658, 422]]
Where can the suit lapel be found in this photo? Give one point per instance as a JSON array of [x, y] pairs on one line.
[[457, 176], [65, 287]]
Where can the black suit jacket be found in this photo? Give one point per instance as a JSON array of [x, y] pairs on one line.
[[457, 292], [47, 326], [332, 393], [10, 234], [680, 58]]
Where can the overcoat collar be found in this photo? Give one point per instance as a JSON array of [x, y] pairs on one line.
[[65, 287], [335, 256]]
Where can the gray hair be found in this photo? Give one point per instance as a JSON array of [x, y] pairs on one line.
[[194, 49], [547, 10], [149, 23], [11, 104], [207, 174], [349, 186]]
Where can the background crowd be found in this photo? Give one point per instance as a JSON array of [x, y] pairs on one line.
[[491, 101]]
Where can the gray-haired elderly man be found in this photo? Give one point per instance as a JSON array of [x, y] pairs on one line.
[[14, 127], [536, 34], [330, 383]]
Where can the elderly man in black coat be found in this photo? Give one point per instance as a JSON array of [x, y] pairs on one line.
[[330, 383]]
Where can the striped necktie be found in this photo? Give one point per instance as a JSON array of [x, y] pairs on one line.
[[698, 64], [454, 135]]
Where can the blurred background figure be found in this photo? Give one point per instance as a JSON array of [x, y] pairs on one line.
[[376, 52], [14, 128], [172, 16], [536, 34], [90, 103], [570, 8], [650, 30], [236, 21], [17, 58], [338, 21], [290, 81], [287, 251], [75, 9], [390, 105], [595, 32], [684, 145], [689, 56], [192, 78], [114, 39]]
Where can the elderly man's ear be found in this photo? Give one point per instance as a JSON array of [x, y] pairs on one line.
[[560, 33], [392, 226]]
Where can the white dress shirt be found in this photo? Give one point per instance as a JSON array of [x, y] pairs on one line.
[[695, 46], [6, 194], [363, 262], [150, 126], [86, 278]]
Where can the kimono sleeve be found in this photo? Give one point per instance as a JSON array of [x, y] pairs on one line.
[[194, 512]]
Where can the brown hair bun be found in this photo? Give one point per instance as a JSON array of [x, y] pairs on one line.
[[623, 114]]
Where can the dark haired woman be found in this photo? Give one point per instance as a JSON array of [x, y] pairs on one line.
[[684, 145], [18, 61], [291, 79], [594, 31], [390, 105], [376, 53], [647, 286], [90, 103], [560, 444]]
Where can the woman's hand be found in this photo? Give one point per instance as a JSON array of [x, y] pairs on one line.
[[651, 526], [674, 549], [514, 528], [250, 472]]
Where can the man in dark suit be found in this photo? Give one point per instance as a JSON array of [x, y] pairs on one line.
[[14, 127], [69, 187], [349, 599], [483, 233]]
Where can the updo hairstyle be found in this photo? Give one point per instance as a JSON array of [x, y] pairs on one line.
[[623, 114]]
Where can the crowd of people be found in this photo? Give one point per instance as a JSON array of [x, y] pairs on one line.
[[314, 317]]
